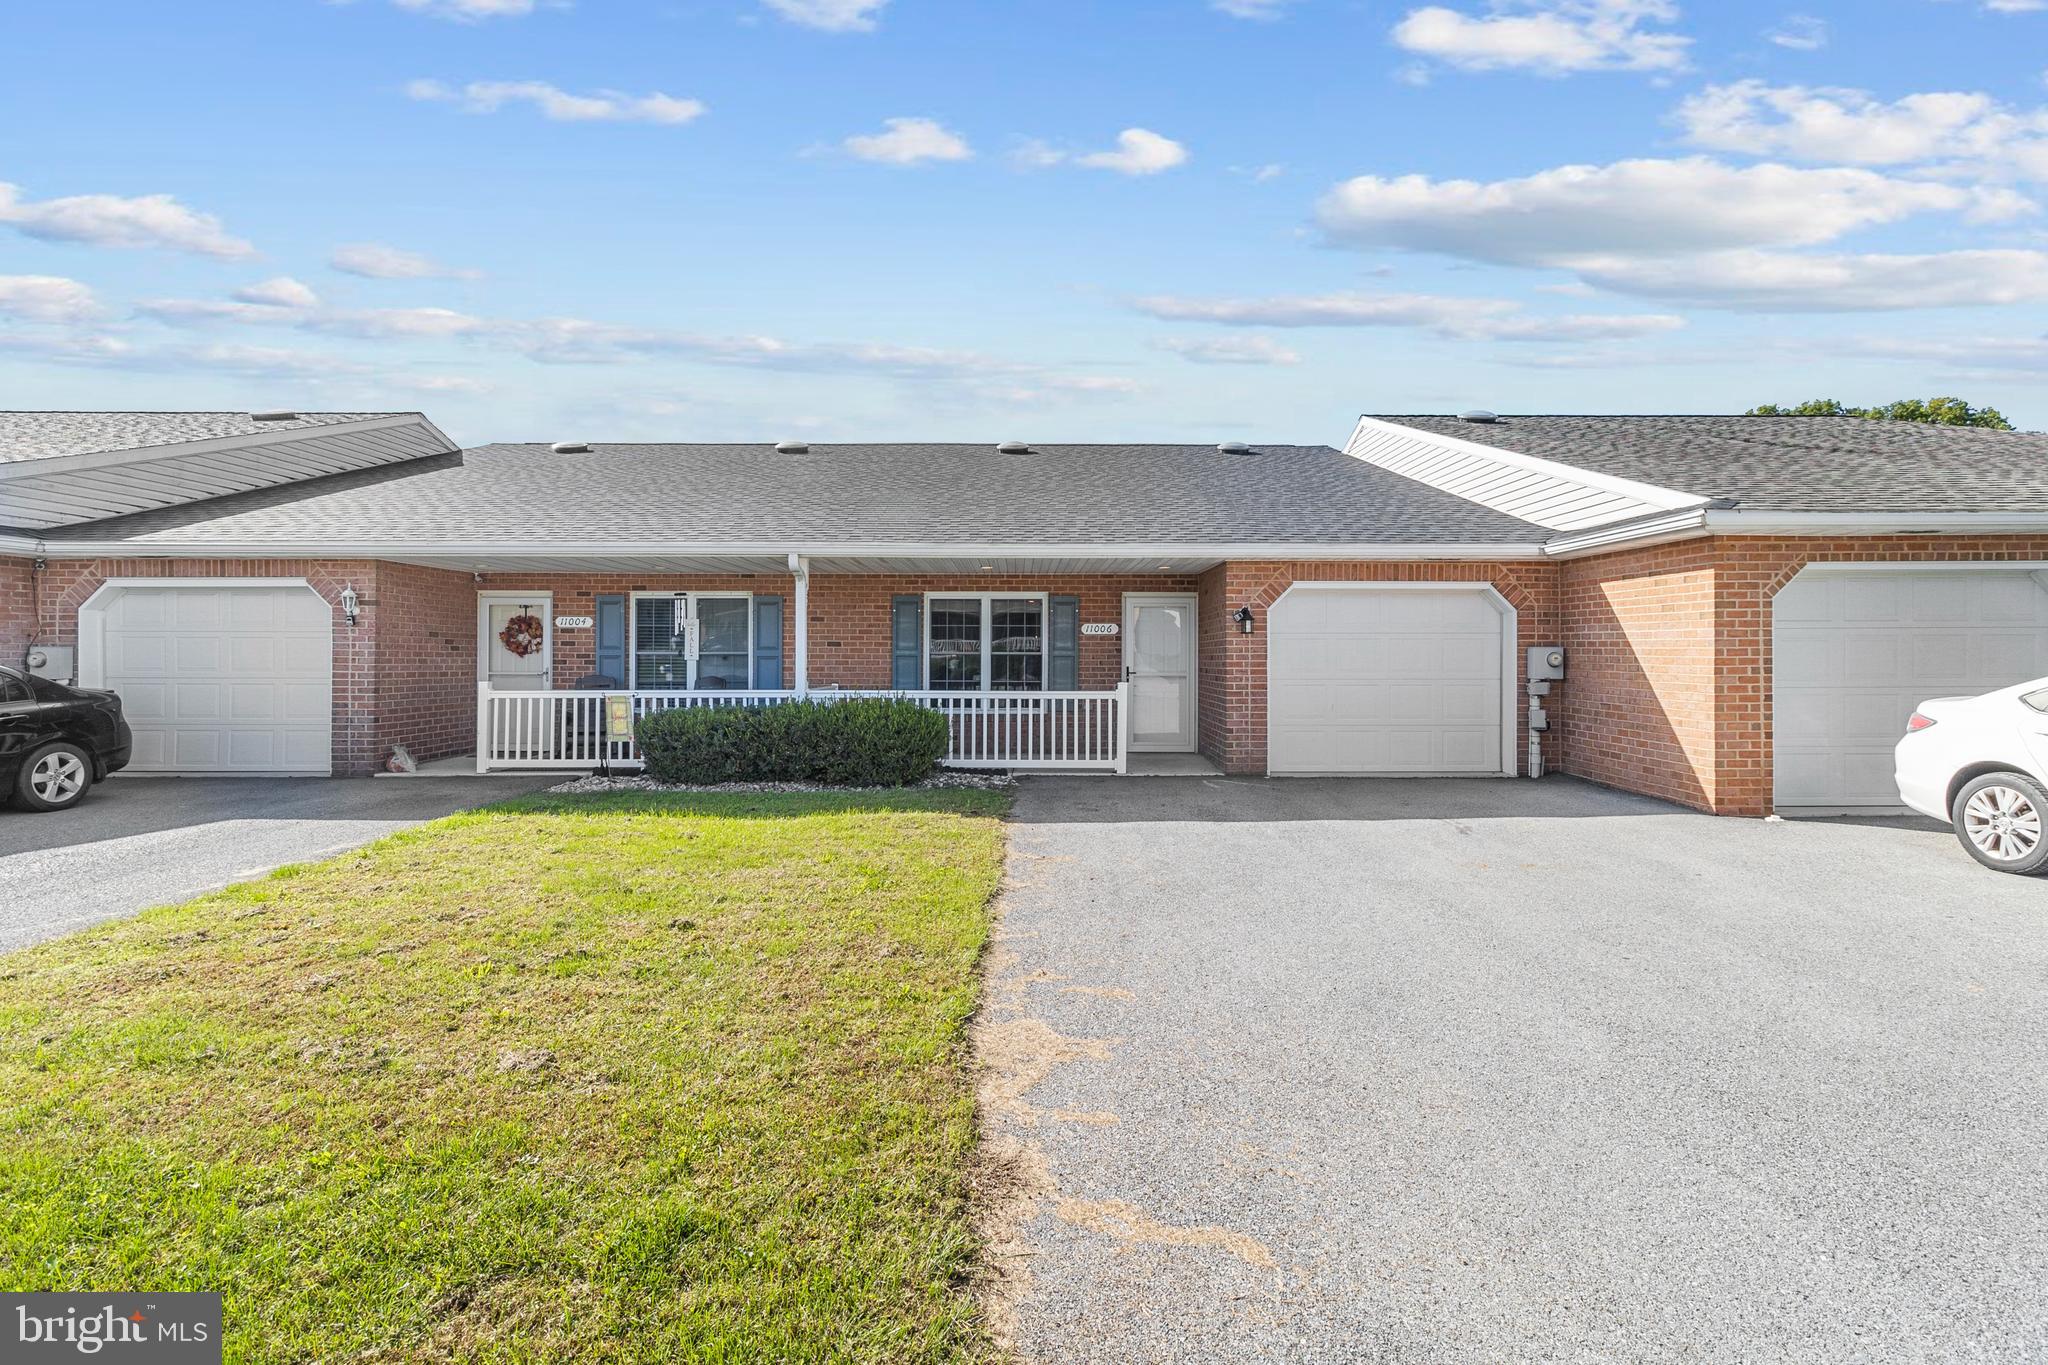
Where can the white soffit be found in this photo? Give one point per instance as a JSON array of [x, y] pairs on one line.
[[1552, 495], [69, 490]]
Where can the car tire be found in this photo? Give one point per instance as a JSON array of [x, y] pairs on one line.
[[2002, 820], [54, 777]]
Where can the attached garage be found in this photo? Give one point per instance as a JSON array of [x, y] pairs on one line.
[[1856, 646], [232, 676], [1390, 678]]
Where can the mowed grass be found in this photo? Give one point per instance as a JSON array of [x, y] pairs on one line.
[[616, 1078]]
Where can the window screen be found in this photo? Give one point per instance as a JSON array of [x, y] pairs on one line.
[[956, 644]]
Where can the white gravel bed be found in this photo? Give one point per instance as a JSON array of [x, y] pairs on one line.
[[585, 785]]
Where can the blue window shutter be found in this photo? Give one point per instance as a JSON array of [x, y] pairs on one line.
[[768, 644], [611, 637], [1063, 671], [906, 643]]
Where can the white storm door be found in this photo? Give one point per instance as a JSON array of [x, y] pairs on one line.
[[497, 664], [1159, 663]]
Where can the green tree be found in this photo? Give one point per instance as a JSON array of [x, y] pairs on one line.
[[1947, 412]]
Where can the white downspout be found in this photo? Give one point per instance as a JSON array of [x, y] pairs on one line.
[[800, 569]]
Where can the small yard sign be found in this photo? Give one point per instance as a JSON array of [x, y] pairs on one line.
[[1100, 628], [618, 715], [574, 623]]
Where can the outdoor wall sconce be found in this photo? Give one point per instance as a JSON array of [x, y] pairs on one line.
[[349, 603], [1243, 617]]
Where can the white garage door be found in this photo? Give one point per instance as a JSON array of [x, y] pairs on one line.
[[1853, 651], [220, 679], [1385, 680]]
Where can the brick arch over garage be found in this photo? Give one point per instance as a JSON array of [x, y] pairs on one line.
[[1233, 665]]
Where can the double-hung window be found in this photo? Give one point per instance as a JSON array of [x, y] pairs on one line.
[[725, 642], [985, 642]]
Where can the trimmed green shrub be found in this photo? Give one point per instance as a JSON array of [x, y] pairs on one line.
[[859, 742]]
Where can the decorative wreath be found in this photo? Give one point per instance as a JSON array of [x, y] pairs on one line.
[[522, 634]]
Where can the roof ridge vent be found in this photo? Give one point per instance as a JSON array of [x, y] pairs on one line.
[[1233, 448], [1480, 416], [1013, 448], [571, 447], [274, 415], [792, 447]]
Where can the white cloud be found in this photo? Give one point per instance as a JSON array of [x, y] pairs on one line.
[[1799, 32], [909, 141], [833, 16], [1251, 350], [374, 260], [603, 106], [150, 220], [1251, 9], [46, 298], [1139, 151], [2016, 6], [1790, 282], [1638, 208], [280, 292], [1457, 319], [1831, 125], [468, 10], [1548, 37]]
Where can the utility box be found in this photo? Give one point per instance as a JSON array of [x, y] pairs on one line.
[[51, 661], [1546, 663]]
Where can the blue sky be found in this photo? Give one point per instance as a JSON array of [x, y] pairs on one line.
[[926, 219]]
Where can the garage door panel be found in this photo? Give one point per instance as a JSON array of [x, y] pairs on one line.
[[1384, 680], [1854, 652], [227, 679]]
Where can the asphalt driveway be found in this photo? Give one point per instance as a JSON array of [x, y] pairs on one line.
[[141, 841], [1451, 1071]]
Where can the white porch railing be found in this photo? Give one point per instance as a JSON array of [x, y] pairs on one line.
[[1025, 730]]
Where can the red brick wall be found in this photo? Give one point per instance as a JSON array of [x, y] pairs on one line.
[[17, 610], [1637, 707], [1234, 664], [425, 683]]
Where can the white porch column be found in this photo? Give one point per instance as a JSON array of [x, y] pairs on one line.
[[800, 569]]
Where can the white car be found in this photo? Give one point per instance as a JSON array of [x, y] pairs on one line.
[[1981, 764]]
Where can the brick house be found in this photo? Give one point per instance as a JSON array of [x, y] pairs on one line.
[[1747, 606]]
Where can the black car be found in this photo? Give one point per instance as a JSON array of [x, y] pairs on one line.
[[55, 741]]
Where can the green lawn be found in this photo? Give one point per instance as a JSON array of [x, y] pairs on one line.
[[619, 1078]]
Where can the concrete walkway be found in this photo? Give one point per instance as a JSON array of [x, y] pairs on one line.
[[1489, 1071]]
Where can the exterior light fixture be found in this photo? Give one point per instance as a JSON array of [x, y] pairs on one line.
[[350, 603], [1243, 617]]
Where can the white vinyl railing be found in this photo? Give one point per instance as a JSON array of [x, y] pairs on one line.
[[1026, 730]]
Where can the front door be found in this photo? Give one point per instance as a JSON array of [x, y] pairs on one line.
[[1159, 663], [500, 664]]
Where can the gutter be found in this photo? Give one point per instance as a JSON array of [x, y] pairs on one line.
[[776, 550]]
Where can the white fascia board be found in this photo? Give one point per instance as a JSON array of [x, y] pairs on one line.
[[1653, 494], [1739, 523], [459, 551], [1633, 534], [104, 459]]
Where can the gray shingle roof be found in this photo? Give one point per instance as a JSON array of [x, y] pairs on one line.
[[870, 494], [1786, 464], [42, 435]]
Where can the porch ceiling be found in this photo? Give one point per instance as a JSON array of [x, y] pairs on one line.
[[820, 564]]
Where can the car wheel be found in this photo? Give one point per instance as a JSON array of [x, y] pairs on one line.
[[2000, 819], [54, 777]]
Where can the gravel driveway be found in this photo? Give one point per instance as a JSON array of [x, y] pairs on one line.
[[135, 842], [1454, 1071]]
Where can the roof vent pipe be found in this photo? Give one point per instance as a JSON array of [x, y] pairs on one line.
[[792, 447], [1232, 448], [571, 447], [1479, 415], [1014, 448], [274, 415]]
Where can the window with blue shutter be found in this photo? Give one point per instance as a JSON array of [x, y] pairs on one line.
[[611, 638], [1063, 654], [906, 643]]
